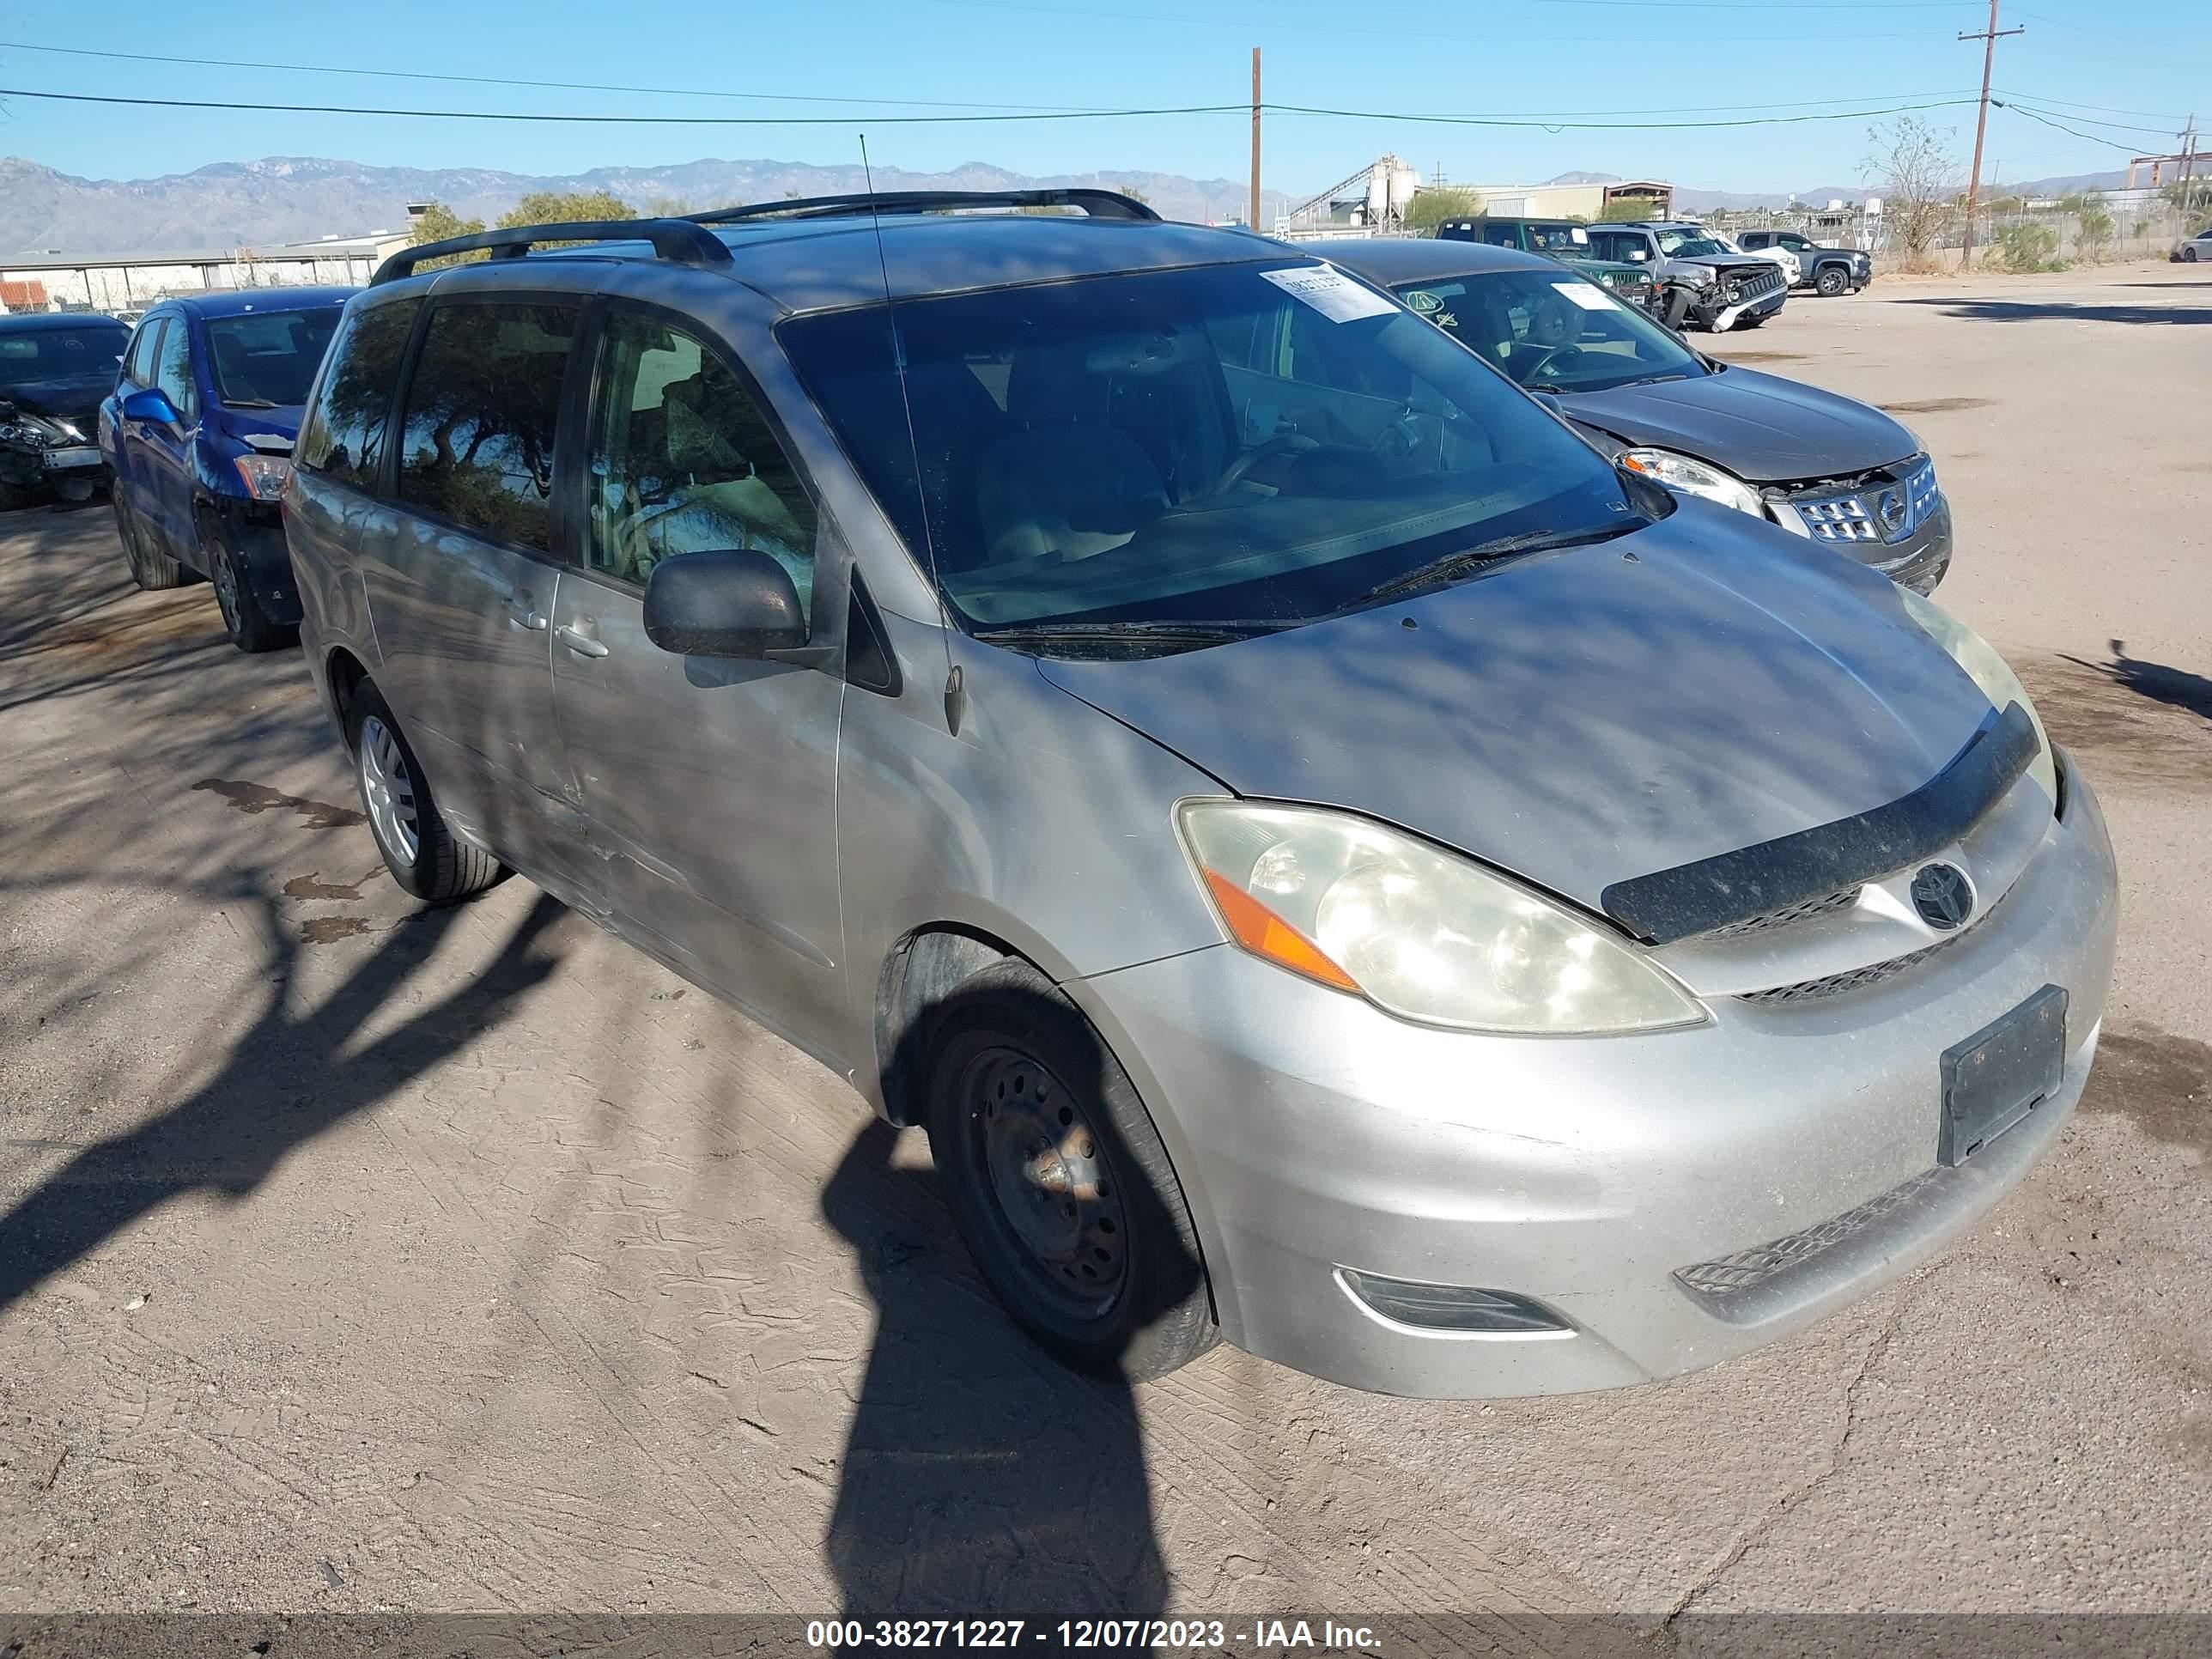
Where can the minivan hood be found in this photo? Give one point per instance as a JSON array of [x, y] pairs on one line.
[[1760, 427], [1583, 717]]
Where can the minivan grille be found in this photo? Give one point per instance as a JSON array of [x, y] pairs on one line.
[[1732, 1275], [1857, 979], [1802, 911]]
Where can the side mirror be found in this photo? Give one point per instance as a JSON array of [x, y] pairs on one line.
[[152, 404], [738, 604]]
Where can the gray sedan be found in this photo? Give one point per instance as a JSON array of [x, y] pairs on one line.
[[1822, 466]]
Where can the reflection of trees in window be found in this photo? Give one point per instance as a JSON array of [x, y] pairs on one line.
[[344, 435], [477, 444]]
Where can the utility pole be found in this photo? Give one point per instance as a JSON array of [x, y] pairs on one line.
[[2188, 167], [1252, 219], [1988, 38]]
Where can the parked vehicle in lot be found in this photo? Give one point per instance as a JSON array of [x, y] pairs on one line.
[[2197, 247], [1333, 863], [1828, 271], [1556, 239], [1702, 285], [199, 429], [54, 370], [1831, 469], [1780, 257]]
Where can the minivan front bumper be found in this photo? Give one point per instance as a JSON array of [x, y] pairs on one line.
[[1621, 1184]]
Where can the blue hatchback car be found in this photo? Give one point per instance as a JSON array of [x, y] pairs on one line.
[[198, 432]]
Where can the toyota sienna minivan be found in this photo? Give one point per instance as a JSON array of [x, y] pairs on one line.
[[1334, 865]]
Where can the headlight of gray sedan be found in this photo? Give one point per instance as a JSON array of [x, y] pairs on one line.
[[1692, 476], [1421, 932]]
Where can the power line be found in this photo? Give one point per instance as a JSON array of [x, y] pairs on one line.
[[263, 108], [168, 60], [2071, 104], [2091, 138], [2087, 120]]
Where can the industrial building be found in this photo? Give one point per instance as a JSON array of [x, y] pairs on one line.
[[53, 280], [1374, 201]]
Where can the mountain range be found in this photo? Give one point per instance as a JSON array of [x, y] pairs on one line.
[[301, 198]]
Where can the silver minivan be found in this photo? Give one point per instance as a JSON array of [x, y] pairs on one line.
[[1334, 865]]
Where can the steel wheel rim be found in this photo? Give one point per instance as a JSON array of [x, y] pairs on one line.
[[389, 788], [1058, 1205], [226, 589]]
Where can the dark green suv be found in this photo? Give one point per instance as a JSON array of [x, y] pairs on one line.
[[1557, 239]]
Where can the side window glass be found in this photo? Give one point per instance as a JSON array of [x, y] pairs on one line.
[[172, 370], [1501, 235], [682, 461], [343, 436], [476, 446], [138, 362]]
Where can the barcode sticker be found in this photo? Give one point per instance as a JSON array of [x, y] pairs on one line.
[[1331, 292], [1588, 295]]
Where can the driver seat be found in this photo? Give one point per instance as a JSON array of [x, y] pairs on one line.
[[1065, 480]]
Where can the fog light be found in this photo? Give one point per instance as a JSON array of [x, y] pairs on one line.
[[1459, 1307]]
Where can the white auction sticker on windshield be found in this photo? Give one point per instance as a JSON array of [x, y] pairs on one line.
[[1331, 292], [1588, 295]]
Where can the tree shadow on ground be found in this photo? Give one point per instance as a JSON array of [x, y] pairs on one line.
[[980, 1473], [2059, 310], [2177, 688], [290, 1078]]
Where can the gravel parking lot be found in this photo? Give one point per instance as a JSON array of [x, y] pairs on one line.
[[354, 1258]]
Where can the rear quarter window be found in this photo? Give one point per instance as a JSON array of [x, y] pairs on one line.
[[343, 437]]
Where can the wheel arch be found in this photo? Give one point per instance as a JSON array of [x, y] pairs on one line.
[[343, 675], [920, 971]]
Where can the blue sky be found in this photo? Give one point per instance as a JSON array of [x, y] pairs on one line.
[[2141, 63]]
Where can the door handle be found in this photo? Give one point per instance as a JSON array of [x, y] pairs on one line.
[[579, 642], [521, 615]]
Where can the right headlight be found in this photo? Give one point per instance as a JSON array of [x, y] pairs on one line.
[[1689, 476], [1420, 932], [1988, 670]]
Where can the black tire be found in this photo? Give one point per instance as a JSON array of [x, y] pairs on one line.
[[151, 568], [439, 868], [2189, 256], [1117, 1287], [243, 618], [14, 497], [1830, 281]]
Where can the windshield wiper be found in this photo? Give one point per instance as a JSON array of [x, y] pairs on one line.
[[1163, 633], [249, 403], [1470, 558]]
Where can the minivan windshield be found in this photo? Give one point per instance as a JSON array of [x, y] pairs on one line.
[[1552, 331], [1232, 446], [266, 359]]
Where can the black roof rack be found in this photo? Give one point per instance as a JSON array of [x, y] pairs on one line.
[[679, 240], [1098, 203]]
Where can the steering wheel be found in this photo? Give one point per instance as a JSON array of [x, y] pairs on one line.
[[1522, 376], [1283, 443]]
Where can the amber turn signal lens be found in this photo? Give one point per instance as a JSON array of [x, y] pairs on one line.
[[1264, 933]]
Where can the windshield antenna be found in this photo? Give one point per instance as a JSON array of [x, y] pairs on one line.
[[955, 695]]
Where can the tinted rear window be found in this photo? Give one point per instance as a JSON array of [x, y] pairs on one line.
[[477, 445], [343, 436]]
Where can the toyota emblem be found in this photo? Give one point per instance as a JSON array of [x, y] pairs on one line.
[[1942, 895]]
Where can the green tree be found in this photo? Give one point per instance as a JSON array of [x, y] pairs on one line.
[[559, 207], [1623, 208], [1432, 206], [437, 223], [2094, 222], [2027, 246]]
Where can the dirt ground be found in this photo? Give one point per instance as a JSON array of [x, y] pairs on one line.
[[354, 1258]]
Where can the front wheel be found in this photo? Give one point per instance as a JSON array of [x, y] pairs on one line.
[[151, 568], [425, 857], [2189, 256], [1830, 282], [1058, 1181], [243, 618]]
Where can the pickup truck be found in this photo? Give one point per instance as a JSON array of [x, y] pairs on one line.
[[1701, 282], [1828, 271]]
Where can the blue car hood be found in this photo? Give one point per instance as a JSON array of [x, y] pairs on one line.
[[1760, 427], [1580, 718], [282, 421]]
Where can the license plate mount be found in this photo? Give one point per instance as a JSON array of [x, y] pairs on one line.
[[1999, 1075]]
